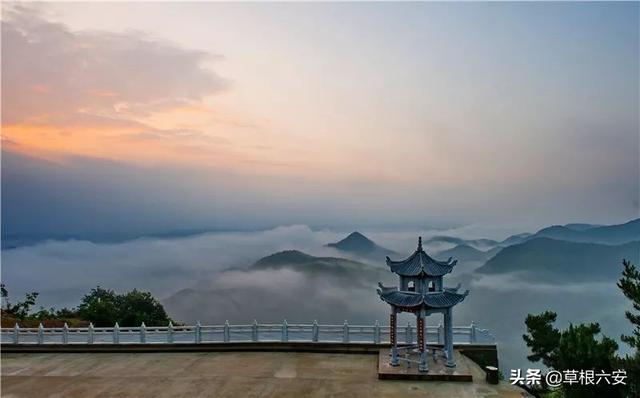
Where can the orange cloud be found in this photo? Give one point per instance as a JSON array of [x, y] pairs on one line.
[[148, 147], [131, 98], [125, 97]]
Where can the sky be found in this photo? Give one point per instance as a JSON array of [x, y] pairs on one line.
[[137, 118]]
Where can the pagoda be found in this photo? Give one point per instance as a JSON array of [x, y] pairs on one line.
[[422, 293]]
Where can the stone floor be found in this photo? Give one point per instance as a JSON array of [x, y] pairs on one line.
[[231, 374], [437, 370]]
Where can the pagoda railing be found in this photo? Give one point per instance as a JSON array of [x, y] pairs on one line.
[[230, 333]]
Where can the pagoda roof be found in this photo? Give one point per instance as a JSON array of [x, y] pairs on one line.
[[453, 289], [420, 263], [444, 299]]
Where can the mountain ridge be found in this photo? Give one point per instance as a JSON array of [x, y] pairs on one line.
[[358, 244], [553, 259], [466, 252], [613, 234]]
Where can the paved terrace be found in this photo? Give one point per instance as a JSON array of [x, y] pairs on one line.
[[222, 374]]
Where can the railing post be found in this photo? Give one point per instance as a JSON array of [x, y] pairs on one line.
[[226, 335], [440, 334], [408, 338], [198, 333], [65, 333], [345, 332], [376, 332], [285, 331], [40, 333], [254, 330], [143, 333], [472, 333], [116, 334], [16, 334], [315, 331], [170, 333], [90, 333]]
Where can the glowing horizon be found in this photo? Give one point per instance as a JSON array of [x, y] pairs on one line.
[[474, 111]]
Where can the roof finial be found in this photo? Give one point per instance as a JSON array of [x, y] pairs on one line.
[[419, 243]]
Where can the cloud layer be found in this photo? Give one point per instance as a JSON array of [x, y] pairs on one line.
[[99, 94], [54, 75], [60, 270], [109, 130], [206, 278]]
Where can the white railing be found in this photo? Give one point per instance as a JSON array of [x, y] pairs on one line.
[[227, 333]]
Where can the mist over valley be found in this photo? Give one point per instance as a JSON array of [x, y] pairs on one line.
[[301, 274]]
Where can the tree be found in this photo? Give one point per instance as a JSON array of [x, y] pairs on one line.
[[575, 348], [100, 307], [21, 309], [137, 307], [105, 307], [4, 295], [630, 286], [543, 338]]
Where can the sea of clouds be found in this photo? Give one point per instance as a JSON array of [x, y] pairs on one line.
[[61, 271], [207, 278]]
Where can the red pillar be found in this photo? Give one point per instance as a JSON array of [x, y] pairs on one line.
[[393, 338], [421, 333], [392, 329]]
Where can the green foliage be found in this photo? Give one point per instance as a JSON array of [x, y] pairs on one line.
[[102, 307], [105, 307], [21, 309], [4, 293], [579, 349], [138, 307], [630, 286], [575, 348], [543, 338], [631, 363]]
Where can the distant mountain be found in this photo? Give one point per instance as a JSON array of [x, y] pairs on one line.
[[463, 249], [609, 234], [587, 233], [556, 260], [307, 263], [326, 288], [445, 239], [284, 258], [461, 242], [358, 244], [467, 253], [515, 239], [581, 226]]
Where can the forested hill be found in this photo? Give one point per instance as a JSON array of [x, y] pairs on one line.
[[551, 259]]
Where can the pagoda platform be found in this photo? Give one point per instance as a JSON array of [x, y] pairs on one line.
[[437, 369]]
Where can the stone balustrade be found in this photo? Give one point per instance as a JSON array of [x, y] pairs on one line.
[[233, 333]]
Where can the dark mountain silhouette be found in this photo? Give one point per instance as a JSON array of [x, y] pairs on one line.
[[581, 226], [610, 234], [283, 258], [467, 253], [445, 239], [563, 261], [358, 244], [515, 239], [307, 263], [310, 296], [586, 233], [461, 242]]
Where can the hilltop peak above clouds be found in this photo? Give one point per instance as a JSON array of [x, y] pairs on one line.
[[358, 244]]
